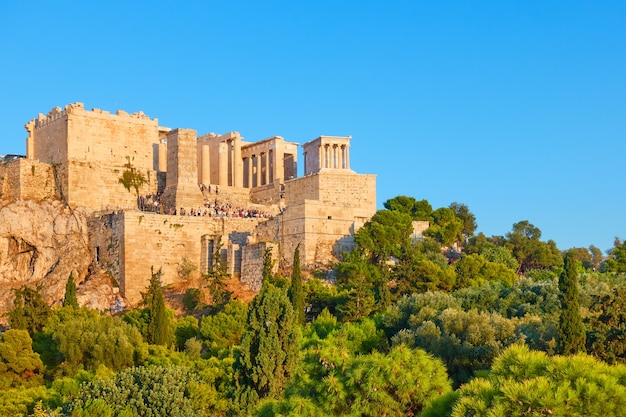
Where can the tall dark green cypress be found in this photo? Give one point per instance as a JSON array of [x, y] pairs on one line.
[[571, 329], [268, 266], [296, 292], [268, 347], [159, 325], [70, 299]]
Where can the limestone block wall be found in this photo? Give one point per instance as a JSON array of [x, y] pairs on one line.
[[106, 232], [91, 149], [323, 232], [47, 137], [129, 243], [182, 188], [252, 263], [23, 179], [268, 194]]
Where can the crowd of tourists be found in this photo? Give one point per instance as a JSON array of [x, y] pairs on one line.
[[152, 203]]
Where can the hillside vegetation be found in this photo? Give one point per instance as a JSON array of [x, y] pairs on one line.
[[447, 323]]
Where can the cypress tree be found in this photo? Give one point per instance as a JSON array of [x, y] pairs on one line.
[[158, 332], [268, 266], [268, 347], [571, 329], [296, 291], [70, 299]]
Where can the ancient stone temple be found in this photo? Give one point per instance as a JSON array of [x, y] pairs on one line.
[[196, 194]]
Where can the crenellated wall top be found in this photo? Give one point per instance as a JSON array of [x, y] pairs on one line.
[[79, 108]]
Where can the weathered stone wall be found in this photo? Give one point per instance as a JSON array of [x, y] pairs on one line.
[[323, 212], [132, 242], [252, 263], [181, 188], [24, 179], [92, 149], [47, 137], [268, 194], [106, 231], [354, 192]]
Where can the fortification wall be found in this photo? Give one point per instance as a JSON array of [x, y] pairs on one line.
[[23, 179], [268, 194], [106, 238], [92, 149], [130, 243], [323, 232], [48, 137], [252, 263]]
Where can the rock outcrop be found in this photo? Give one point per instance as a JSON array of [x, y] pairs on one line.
[[42, 243]]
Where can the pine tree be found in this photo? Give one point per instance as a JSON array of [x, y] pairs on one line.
[[70, 299], [30, 311], [296, 292], [571, 329], [158, 332]]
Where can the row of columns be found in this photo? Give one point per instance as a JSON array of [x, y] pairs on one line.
[[230, 164], [334, 156], [262, 168]]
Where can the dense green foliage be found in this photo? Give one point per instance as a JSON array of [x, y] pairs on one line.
[[19, 365], [88, 340], [138, 391], [529, 383], [399, 323], [30, 311]]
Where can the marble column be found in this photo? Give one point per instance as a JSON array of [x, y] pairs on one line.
[[250, 169], [267, 168], [206, 165], [237, 165], [222, 165]]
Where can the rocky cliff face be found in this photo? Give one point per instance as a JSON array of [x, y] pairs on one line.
[[42, 243]]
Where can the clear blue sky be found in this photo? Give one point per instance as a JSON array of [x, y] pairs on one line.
[[515, 108]]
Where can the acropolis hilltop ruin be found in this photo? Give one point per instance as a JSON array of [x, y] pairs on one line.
[[198, 190]]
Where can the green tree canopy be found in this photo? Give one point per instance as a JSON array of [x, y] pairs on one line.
[[88, 340], [269, 345], [531, 253], [225, 328], [386, 234], [530, 383], [462, 212], [139, 391], [19, 365], [616, 260], [30, 311], [131, 177], [446, 228], [417, 210]]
